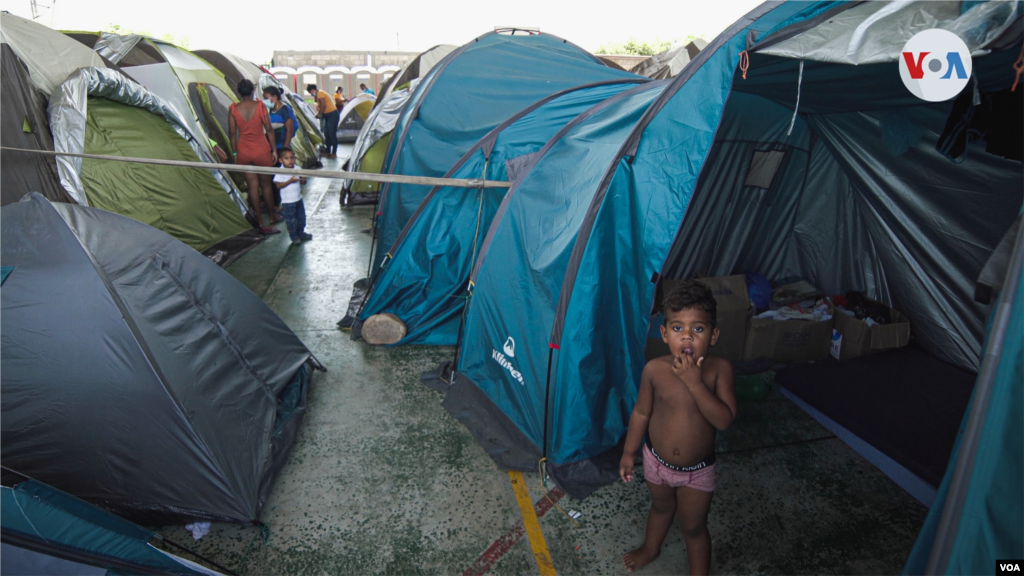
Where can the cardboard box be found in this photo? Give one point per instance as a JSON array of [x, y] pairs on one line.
[[788, 340], [852, 337], [734, 311]]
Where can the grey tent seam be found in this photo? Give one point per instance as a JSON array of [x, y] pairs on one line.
[[220, 328]]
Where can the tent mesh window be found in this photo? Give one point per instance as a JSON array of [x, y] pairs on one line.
[[763, 167]]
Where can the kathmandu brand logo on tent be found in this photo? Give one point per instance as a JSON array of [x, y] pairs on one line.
[[935, 65], [510, 349]]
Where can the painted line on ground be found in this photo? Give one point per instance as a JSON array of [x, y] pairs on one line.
[[514, 534], [545, 565]]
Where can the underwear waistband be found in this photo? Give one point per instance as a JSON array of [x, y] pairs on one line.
[[707, 461]]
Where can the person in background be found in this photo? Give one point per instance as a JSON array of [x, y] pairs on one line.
[[282, 118], [252, 139], [366, 90], [339, 98], [291, 199], [330, 114]]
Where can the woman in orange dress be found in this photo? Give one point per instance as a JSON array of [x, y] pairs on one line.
[[252, 138]]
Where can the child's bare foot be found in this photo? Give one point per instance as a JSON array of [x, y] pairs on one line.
[[639, 558]]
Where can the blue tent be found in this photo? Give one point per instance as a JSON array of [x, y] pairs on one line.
[[464, 97], [424, 276], [46, 531], [789, 147]]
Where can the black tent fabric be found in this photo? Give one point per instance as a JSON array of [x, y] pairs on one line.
[[137, 374], [24, 124]]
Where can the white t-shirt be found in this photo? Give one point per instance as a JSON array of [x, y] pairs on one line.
[[290, 193]]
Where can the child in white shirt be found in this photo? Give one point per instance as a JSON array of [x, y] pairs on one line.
[[292, 208]]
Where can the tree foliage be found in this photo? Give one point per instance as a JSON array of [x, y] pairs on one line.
[[637, 48]]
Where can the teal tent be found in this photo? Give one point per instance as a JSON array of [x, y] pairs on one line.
[[46, 531], [788, 147], [462, 98], [425, 274]]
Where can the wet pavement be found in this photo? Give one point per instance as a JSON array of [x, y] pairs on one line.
[[381, 480]]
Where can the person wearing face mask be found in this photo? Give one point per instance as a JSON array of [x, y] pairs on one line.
[[282, 117]]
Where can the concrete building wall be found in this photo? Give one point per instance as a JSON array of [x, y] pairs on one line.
[[349, 58], [329, 81]]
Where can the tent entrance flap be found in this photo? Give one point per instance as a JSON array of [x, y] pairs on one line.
[[910, 229]]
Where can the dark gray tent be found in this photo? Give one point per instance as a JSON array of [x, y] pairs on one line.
[[137, 374], [34, 60]]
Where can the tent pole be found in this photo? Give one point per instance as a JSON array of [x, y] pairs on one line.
[[946, 534], [547, 399]]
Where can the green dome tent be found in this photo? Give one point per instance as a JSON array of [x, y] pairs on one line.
[[100, 111], [371, 145], [137, 374]]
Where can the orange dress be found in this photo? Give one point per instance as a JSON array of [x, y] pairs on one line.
[[253, 147]]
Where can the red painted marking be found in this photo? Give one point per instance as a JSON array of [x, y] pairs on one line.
[[507, 540], [554, 346]]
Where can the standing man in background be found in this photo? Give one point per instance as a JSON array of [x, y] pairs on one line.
[[366, 90], [328, 112]]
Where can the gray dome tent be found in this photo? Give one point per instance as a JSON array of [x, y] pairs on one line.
[[136, 373]]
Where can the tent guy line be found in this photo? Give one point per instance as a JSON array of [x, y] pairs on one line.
[[338, 174]]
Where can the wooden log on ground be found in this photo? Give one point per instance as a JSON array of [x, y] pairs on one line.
[[383, 329]]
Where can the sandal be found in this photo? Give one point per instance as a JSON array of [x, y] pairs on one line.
[[267, 230]]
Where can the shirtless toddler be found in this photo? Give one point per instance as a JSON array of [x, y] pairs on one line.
[[684, 399]]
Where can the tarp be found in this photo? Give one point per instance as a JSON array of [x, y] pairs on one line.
[[100, 111], [555, 330], [114, 47], [425, 278], [461, 99], [671, 62], [137, 374], [36, 517]]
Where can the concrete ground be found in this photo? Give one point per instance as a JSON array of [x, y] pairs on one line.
[[382, 480]]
